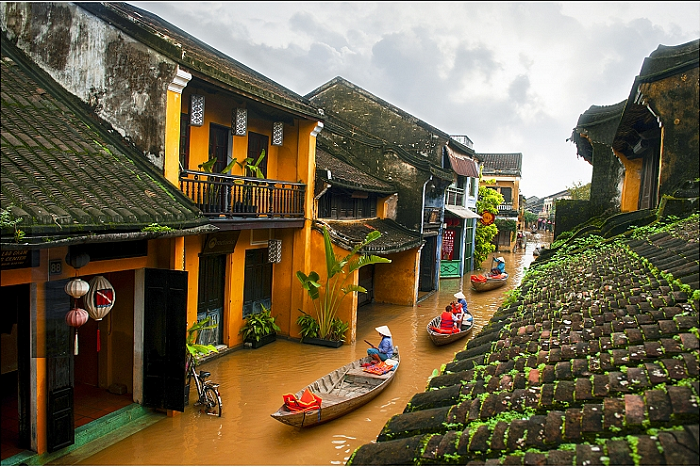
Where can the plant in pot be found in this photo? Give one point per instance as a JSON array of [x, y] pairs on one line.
[[260, 328], [195, 351], [327, 294]]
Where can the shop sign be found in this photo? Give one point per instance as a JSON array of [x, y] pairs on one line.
[[16, 259]]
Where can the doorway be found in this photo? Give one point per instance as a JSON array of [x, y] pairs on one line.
[[212, 273], [257, 286]]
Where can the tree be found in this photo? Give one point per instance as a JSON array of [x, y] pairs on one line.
[[579, 191], [488, 201]]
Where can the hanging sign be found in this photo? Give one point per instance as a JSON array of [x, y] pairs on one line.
[[487, 218]]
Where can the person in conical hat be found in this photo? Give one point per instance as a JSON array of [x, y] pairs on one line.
[[385, 349], [500, 266], [462, 300]]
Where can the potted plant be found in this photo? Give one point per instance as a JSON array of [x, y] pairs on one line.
[[328, 294], [260, 328], [194, 350]]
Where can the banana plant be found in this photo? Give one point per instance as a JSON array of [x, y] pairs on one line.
[[327, 294]]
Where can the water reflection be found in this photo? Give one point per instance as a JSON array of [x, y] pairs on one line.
[[253, 381]]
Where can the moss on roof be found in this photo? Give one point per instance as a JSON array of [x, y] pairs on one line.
[[64, 173], [593, 360]]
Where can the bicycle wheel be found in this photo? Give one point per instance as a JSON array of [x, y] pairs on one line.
[[212, 398]]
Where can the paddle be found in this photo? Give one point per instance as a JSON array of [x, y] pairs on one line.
[[370, 344]]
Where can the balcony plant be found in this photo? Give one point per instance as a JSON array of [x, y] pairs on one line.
[[250, 168], [327, 294], [260, 328]]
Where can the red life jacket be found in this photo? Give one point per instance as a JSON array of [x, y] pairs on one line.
[[307, 401], [446, 321]]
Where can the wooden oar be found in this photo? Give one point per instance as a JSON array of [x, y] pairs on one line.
[[370, 344]]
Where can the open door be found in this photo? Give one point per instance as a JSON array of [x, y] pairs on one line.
[[59, 368], [164, 335]]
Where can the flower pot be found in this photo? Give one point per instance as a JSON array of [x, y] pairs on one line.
[[264, 340], [322, 342]]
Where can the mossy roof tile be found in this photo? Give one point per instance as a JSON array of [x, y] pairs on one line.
[[63, 173], [567, 374]]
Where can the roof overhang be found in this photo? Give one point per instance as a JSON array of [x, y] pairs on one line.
[[464, 213], [463, 165]]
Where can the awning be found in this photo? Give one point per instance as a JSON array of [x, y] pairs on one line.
[[464, 213]]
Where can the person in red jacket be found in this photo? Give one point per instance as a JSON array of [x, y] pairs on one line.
[[447, 320]]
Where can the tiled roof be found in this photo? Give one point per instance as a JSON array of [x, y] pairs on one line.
[[198, 56], [394, 239], [502, 164], [63, 173], [595, 362], [670, 60], [347, 176], [600, 124]]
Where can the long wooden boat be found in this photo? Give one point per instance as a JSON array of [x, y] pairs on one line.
[[442, 339], [342, 391], [481, 285]]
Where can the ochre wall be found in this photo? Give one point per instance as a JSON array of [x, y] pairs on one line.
[[397, 282]]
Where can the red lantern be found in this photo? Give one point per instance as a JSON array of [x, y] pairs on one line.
[[76, 318], [99, 301]]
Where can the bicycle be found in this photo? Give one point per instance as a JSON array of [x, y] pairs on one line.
[[208, 391]]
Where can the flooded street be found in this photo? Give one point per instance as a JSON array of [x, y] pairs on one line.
[[254, 380]]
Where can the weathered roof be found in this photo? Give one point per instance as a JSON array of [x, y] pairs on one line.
[[332, 170], [502, 164], [599, 124], [669, 60], [463, 165], [594, 362], [198, 57], [64, 174], [394, 239]]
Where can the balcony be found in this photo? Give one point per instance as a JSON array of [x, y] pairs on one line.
[[230, 196]]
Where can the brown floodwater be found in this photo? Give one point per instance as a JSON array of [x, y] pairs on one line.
[[254, 380]]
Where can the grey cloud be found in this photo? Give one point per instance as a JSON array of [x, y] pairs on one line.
[[306, 23]]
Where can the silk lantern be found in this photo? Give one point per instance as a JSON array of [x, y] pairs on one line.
[[76, 317], [99, 301]]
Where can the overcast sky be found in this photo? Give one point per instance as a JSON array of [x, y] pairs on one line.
[[512, 76]]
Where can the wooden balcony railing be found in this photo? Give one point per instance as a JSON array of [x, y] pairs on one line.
[[234, 196]]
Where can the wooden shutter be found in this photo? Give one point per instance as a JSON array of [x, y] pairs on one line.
[[165, 332]]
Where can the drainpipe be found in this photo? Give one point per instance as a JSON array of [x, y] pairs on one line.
[[422, 211]]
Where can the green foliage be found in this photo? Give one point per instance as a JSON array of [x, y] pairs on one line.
[[488, 201], [308, 324], [6, 220], [579, 191], [258, 325], [328, 294], [155, 227], [251, 169], [511, 297], [197, 350]]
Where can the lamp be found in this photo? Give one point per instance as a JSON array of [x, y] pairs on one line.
[[239, 122], [196, 110], [277, 133]]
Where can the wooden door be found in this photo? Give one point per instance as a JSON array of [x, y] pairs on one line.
[[256, 144], [59, 368], [428, 260], [164, 337], [257, 284], [210, 299]]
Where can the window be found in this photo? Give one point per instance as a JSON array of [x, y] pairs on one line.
[[218, 146], [507, 194], [256, 144], [184, 141]]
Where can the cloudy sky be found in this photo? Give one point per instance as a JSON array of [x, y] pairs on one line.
[[512, 76]]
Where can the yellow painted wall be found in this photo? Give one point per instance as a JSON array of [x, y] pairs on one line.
[[629, 200], [397, 282]]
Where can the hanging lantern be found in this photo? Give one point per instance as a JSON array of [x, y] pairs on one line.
[[76, 288], [99, 301], [76, 318]]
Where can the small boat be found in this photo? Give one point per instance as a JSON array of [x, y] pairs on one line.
[[341, 391], [442, 339], [482, 283]]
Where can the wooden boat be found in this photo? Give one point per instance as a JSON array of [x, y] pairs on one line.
[[483, 283], [342, 391], [442, 339]]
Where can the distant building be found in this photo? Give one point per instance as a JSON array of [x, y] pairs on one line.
[[506, 171]]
